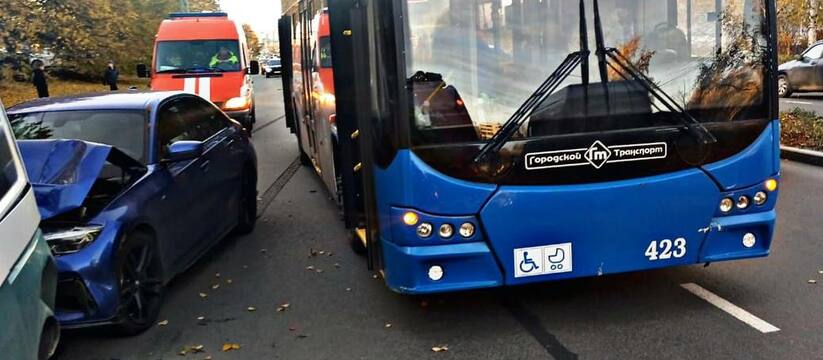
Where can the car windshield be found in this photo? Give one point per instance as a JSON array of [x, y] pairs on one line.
[[197, 56], [273, 63], [125, 130], [472, 64]]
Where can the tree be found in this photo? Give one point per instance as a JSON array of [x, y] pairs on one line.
[[252, 40], [204, 5], [813, 10]]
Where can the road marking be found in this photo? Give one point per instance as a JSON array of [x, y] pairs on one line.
[[730, 308], [799, 102]]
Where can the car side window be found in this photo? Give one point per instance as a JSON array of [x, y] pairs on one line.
[[816, 52], [8, 168], [174, 125], [207, 119]]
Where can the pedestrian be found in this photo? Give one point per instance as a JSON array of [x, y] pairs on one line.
[[110, 76], [38, 77]]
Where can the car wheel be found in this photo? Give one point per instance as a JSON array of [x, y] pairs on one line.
[[247, 214], [784, 89], [140, 284]]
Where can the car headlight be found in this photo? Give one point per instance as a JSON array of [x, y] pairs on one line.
[[237, 103], [68, 241]]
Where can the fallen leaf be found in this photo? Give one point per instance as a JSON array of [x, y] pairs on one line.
[[337, 265], [319, 271], [374, 276], [329, 253], [197, 348], [245, 266], [812, 281], [215, 286], [201, 318], [217, 275], [163, 323], [440, 348], [183, 352], [208, 357], [302, 336], [263, 250], [321, 252], [312, 252], [310, 267], [251, 308], [820, 271], [230, 346], [282, 307], [229, 281], [388, 325], [292, 328], [348, 289], [203, 295]]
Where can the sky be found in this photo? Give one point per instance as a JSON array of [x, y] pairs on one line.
[[262, 15]]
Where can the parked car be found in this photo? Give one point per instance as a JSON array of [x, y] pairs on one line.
[[804, 74], [28, 277], [272, 67], [133, 188]]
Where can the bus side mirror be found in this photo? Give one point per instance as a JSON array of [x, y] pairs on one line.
[[254, 67], [143, 71]]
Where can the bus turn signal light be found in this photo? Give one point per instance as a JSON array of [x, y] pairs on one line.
[[771, 185], [410, 218], [726, 205], [760, 198]]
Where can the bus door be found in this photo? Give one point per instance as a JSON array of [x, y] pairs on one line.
[[284, 31], [306, 68]]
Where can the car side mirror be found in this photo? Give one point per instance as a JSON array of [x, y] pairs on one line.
[[143, 71], [254, 67], [184, 150]]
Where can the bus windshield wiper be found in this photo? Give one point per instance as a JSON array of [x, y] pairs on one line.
[[561, 73], [621, 65]]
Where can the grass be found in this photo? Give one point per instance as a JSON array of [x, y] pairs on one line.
[[801, 128], [13, 93]]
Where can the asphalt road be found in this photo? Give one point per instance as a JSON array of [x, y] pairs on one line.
[[338, 310], [810, 101]]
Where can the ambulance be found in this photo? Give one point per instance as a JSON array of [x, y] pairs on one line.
[[205, 54]]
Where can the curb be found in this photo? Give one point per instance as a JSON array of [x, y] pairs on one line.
[[810, 157]]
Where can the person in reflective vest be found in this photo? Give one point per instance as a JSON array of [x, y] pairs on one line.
[[223, 59]]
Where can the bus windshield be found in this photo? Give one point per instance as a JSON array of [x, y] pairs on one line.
[[197, 56], [472, 64]]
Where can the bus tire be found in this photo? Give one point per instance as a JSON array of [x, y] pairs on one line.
[[784, 88]]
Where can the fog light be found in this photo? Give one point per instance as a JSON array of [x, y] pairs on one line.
[[424, 230], [749, 240], [726, 205], [771, 185], [742, 202], [410, 218], [446, 231], [760, 198], [467, 230], [435, 273]]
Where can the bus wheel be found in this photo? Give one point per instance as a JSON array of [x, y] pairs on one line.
[[784, 89], [356, 245]]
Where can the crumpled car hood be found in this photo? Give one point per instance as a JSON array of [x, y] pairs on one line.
[[62, 172]]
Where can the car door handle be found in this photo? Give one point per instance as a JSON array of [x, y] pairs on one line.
[[205, 165]]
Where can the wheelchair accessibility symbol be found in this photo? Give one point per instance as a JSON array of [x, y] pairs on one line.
[[543, 260], [528, 265]]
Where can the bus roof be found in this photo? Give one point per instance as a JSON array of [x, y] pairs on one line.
[[208, 26]]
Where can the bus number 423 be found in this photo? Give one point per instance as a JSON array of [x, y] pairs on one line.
[[666, 249]]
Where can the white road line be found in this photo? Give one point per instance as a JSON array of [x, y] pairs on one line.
[[799, 102], [730, 308]]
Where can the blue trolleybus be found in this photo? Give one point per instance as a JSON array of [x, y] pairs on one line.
[[484, 143]]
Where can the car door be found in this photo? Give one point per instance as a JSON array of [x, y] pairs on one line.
[[225, 156], [807, 74], [186, 221]]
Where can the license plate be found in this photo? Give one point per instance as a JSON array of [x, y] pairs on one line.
[[543, 260]]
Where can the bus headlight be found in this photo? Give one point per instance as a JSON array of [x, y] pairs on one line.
[[726, 205], [424, 230], [237, 103], [446, 231], [435, 273], [749, 240], [742, 202], [760, 198], [467, 230]]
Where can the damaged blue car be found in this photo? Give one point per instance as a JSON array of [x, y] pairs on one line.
[[133, 188]]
